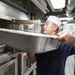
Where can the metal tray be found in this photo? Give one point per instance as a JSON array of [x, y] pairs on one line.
[[29, 42], [2, 47]]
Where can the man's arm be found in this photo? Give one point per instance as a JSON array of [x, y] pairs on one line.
[[31, 57], [66, 37]]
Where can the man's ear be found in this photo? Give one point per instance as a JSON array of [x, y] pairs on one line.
[[55, 28]]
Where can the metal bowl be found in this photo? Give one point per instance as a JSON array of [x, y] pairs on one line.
[[29, 42]]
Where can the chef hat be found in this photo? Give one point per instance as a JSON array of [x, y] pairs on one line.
[[55, 20]]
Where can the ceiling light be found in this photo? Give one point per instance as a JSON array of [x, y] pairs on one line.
[[58, 4]]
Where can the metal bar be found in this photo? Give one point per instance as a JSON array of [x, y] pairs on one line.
[[4, 17], [6, 57], [16, 67], [22, 63], [31, 69], [12, 21], [25, 21]]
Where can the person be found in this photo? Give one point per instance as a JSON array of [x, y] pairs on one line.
[[69, 67], [66, 37], [52, 62]]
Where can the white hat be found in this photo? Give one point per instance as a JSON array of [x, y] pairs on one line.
[[55, 20]]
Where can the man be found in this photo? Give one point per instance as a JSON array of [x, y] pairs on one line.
[[66, 37], [52, 62]]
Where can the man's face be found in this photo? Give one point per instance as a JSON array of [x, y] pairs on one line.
[[48, 27]]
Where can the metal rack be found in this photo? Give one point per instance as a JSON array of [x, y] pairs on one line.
[[5, 67], [24, 66], [32, 68]]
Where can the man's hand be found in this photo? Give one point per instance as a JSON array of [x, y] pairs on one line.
[[66, 37], [31, 57]]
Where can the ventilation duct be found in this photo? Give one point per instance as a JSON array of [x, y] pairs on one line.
[[70, 8], [42, 5], [71, 5]]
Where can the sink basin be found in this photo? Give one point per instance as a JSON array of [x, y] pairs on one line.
[[29, 42]]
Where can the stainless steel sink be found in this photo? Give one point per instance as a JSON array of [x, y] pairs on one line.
[[29, 42]]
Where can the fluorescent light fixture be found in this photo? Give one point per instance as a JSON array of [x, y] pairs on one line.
[[66, 18], [64, 22], [58, 4], [52, 8]]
